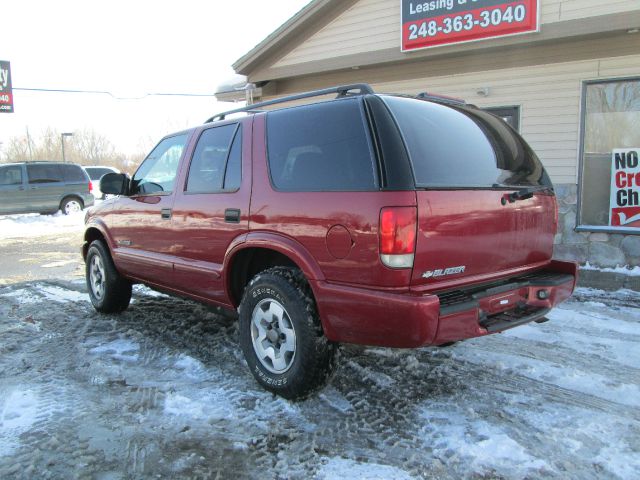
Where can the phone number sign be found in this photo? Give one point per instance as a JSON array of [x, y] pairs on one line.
[[6, 94], [433, 23]]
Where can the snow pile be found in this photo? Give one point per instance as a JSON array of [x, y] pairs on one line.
[[624, 270], [36, 225]]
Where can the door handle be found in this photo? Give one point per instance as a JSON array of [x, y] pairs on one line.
[[232, 215], [165, 213]]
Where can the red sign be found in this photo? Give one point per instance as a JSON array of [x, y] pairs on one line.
[[433, 23], [625, 188]]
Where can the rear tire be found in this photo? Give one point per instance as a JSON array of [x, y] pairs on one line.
[[71, 205], [108, 290], [281, 335]]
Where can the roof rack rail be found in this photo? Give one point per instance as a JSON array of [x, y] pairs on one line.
[[441, 99], [341, 90]]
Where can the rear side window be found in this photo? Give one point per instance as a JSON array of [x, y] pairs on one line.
[[463, 147], [320, 147], [43, 173], [215, 165], [11, 175], [73, 174]]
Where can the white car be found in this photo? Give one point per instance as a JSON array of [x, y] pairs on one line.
[[95, 174]]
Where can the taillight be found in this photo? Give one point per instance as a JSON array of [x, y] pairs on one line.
[[398, 236], [90, 187]]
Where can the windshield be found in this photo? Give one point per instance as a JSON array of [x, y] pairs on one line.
[[463, 147]]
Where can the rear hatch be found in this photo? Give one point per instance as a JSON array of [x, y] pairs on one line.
[[469, 168]]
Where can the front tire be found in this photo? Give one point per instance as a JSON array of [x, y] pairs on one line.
[[281, 335], [108, 290]]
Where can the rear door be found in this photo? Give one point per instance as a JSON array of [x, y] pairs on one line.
[[13, 192], [466, 162], [211, 208]]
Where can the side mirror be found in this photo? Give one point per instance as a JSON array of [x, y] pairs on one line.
[[114, 184]]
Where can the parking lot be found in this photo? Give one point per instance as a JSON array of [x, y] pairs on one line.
[[163, 391]]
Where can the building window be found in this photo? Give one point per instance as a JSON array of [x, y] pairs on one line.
[[609, 164], [511, 115]]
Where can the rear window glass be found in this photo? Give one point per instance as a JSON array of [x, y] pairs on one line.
[[43, 173], [97, 173], [320, 147], [463, 147], [73, 174]]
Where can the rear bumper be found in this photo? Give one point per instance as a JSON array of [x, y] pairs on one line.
[[407, 320]]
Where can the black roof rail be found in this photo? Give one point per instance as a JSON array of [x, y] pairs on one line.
[[341, 90], [441, 99]]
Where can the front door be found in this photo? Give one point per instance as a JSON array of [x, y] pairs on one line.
[[13, 192], [140, 223]]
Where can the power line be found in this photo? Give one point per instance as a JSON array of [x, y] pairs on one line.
[[103, 92]]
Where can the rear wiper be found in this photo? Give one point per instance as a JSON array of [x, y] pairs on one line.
[[522, 193]]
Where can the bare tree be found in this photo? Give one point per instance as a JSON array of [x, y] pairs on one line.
[[85, 147]]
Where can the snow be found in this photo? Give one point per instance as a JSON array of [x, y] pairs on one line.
[[487, 447], [162, 391], [33, 224], [125, 350], [18, 413], [341, 468], [624, 270]]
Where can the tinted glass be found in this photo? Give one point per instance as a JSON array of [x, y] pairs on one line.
[[73, 174], [233, 175], [207, 170], [463, 147], [158, 172], [97, 173], [43, 173], [320, 147], [11, 175]]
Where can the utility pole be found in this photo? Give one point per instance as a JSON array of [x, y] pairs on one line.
[[29, 144], [62, 135]]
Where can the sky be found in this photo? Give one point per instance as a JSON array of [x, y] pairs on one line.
[[129, 48]]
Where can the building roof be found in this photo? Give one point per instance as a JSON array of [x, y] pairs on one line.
[[293, 31]]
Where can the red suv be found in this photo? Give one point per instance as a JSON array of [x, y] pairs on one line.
[[373, 219]]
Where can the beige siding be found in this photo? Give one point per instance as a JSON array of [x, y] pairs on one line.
[[576, 9], [374, 25], [367, 26], [548, 96]]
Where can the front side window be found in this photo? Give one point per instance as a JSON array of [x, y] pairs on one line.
[[158, 171], [610, 165], [215, 165], [464, 147], [11, 175], [43, 173], [320, 147]]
